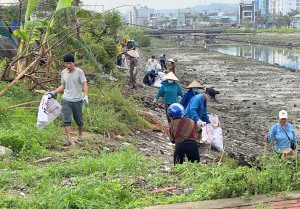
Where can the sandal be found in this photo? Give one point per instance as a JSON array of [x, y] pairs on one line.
[[67, 143], [80, 139]]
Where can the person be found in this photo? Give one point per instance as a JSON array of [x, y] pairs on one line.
[[171, 66], [151, 69], [119, 54], [283, 133], [194, 89], [117, 39], [133, 68], [196, 109], [169, 90], [162, 60], [133, 44], [183, 132], [73, 81]]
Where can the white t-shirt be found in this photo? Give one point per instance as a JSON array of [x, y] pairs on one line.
[[73, 84]]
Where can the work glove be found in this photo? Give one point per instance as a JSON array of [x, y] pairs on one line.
[[50, 94], [134, 70], [155, 101], [201, 123], [86, 100]]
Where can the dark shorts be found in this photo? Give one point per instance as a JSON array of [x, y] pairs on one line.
[[186, 149], [74, 108]]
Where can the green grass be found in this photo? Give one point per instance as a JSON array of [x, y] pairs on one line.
[[108, 112], [109, 181]]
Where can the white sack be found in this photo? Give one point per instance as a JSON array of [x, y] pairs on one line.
[[49, 110], [217, 139], [159, 78], [207, 133]]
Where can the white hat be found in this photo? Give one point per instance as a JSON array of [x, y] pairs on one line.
[[131, 53], [170, 60], [283, 114], [171, 76]]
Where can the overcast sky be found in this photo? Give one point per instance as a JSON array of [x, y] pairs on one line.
[[156, 4]]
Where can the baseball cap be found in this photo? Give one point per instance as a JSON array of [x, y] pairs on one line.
[[283, 114], [212, 92]]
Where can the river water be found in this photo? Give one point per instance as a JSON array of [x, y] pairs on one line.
[[284, 57]]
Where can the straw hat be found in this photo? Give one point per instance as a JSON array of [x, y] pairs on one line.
[[170, 60], [195, 84], [131, 53], [171, 76]]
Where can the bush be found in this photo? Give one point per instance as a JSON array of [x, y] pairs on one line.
[[110, 112], [139, 36]]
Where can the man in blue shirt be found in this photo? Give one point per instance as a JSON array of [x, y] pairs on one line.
[[196, 109]]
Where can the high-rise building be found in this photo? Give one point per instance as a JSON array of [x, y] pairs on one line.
[[263, 6], [281, 6], [298, 5]]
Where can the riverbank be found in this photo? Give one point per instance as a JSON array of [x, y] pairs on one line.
[[252, 93], [290, 40]]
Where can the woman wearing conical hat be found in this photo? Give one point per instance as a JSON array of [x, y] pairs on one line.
[[133, 67], [171, 66], [194, 89], [169, 91]]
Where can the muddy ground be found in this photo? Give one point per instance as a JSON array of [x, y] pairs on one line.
[[252, 94]]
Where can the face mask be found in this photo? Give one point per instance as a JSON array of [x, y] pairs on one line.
[[170, 81], [195, 90]]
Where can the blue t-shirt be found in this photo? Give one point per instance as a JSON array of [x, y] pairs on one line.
[[169, 92], [196, 109], [281, 140]]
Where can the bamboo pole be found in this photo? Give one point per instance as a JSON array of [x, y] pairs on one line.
[[19, 105]]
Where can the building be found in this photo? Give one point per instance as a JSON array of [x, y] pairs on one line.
[[131, 17], [158, 20], [298, 5], [139, 15], [263, 6], [181, 18], [189, 17], [281, 6], [295, 22], [247, 12]]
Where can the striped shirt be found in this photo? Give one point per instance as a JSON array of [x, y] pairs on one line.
[[182, 129]]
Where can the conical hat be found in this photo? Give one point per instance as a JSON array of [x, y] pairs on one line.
[[171, 76], [131, 53], [195, 84]]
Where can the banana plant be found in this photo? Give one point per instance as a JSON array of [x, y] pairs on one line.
[[55, 35]]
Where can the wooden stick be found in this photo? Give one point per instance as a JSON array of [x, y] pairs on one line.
[[19, 105]]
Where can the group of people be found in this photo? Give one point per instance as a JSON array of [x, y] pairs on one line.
[[185, 117], [154, 65], [125, 45]]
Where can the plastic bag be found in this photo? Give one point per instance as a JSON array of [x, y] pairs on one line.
[[49, 110], [159, 78], [207, 133], [217, 138]]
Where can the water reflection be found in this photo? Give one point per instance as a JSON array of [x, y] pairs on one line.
[[273, 55]]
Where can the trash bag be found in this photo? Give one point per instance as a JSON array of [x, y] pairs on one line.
[[217, 137], [49, 110], [159, 78], [207, 133]]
